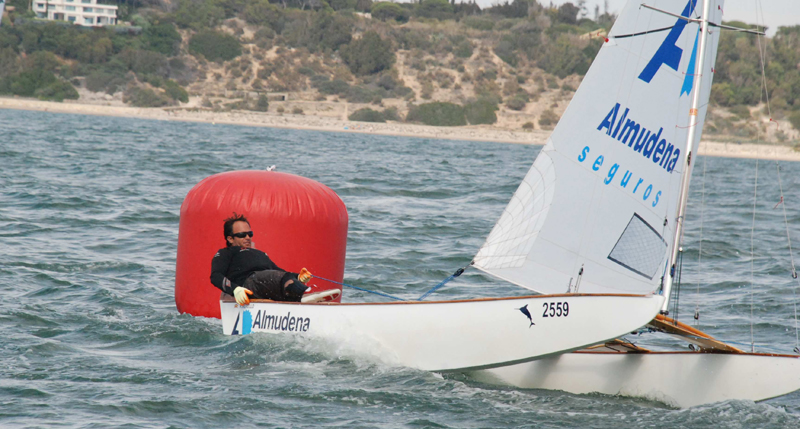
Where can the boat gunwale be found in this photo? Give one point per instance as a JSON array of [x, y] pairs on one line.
[[682, 352], [455, 301]]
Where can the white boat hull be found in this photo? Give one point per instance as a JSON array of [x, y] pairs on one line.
[[682, 379], [453, 335]]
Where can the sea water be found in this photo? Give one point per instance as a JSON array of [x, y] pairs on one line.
[[89, 213]]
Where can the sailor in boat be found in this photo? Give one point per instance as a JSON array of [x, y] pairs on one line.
[[241, 270]]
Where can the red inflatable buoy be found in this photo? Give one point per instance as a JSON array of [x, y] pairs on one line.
[[298, 222]]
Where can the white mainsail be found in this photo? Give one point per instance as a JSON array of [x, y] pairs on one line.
[[596, 213]]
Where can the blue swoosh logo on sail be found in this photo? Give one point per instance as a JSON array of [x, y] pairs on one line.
[[688, 81], [668, 53]]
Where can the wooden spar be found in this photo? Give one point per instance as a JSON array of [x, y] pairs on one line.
[[706, 342], [616, 345]]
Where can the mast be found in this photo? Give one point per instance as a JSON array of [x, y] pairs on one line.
[[687, 166]]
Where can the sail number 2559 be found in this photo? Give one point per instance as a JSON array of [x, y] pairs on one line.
[[555, 309]]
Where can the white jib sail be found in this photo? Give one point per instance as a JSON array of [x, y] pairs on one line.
[[596, 212]]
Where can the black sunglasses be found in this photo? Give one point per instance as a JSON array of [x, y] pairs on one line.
[[243, 234]]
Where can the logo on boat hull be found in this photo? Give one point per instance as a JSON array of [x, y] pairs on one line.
[[527, 314], [247, 323], [268, 321], [280, 323]]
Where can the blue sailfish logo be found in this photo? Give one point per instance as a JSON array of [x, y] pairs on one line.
[[670, 55], [527, 313]]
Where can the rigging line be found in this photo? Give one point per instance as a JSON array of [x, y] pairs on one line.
[[700, 246], [358, 288], [700, 107], [686, 128], [678, 287], [647, 330], [761, 347], [791, 257], [738, 30], [762, 54], [720, 339], [641, 33], [445, 281], [763, 93], [681, 17], [752, 259]]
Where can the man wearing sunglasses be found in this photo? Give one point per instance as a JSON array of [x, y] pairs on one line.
[[243, 271]]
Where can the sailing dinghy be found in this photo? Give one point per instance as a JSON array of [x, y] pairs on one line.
[[634, 122], [590, 227]]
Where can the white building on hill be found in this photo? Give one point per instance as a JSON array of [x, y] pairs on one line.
[[82, 12]]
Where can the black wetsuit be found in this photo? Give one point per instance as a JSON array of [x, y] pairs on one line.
[[251, 268]]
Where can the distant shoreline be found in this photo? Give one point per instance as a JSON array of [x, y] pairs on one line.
[[318, 123]]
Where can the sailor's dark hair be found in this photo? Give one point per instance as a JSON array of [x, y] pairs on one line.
[[227, 227]]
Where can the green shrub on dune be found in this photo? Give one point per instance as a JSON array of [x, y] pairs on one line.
[[106, 81], [262, 12], [42, 84], [262, 104], [175, 91], [479, 23], [331, 87], [369, 54], [215, 46], [140, 62], [438, 9], [438, 114], [386, 11], [794, 119], [517, 103], [162, 38], [57, 91], [367, 115], [548, 119], [145, 97], [364, 94], [198, 14], [481, 111], [10, 62]]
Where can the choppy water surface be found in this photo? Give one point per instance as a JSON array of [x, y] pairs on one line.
[[91, 337]]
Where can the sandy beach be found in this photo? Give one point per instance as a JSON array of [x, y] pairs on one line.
[[320, 123]]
